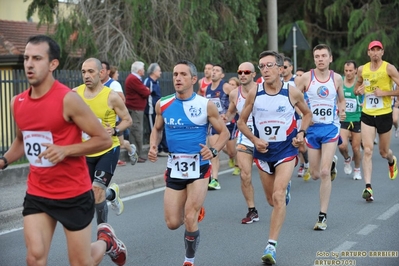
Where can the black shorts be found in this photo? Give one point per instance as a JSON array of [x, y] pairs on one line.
[[351, 126], [106, 162], [74, 213], [383, 123], [180, 184]]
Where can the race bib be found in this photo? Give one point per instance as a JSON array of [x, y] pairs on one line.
[[351, 105], [184, 166], [373, 102], [273, 131], [322, 113], [250, 123], [218, 104], [85, 136], [33, 147]]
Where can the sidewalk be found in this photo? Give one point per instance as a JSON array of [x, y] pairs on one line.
[[132, 179]]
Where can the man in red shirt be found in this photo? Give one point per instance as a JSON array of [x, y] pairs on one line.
[[58, 185], [136, 100]]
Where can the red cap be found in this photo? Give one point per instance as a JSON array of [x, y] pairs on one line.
[[375, 44]]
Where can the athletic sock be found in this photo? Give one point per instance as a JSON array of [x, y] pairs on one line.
[[110, 194], [191, 241], [322, 215], [305, 157], [368, 185], [253, 210], [272, 242], [102, 212]]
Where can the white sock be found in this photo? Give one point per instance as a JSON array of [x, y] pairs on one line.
[[189, 260]]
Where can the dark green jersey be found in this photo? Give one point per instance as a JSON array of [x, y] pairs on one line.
[[353, 104]]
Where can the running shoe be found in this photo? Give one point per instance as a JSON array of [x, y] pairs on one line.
[[116, 204], [368, 194], [116, 249], [121, 163], [163, 154], [231, 163], [252, 216], [356, 174], [201, 215], [334, 168], [288, 194], [269, 255], [306, 175], [393, 170], [214, 185], [301, 170], [186, 263], [321, 224], [347, 166], [236, 170], [133, 156]]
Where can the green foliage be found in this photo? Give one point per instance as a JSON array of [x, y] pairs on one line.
[[46, 10], [227, 32]]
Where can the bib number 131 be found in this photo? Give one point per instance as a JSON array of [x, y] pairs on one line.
[[185, 166]]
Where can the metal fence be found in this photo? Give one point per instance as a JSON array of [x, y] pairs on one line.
[[13, 82]]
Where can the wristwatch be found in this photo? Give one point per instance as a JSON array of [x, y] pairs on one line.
[[304, 132], [5, 162], [214, 152], [116, 131]]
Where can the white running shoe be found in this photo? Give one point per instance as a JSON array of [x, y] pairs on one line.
[[116, 204], [133, 156], [357, 175], [347, 166]]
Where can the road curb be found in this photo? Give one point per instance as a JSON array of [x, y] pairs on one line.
[[12, 218]]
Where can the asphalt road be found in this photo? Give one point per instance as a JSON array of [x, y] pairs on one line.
[[358, 233]]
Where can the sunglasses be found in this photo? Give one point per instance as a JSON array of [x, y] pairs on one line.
[[285, 67], [267, 65], [245, 72]]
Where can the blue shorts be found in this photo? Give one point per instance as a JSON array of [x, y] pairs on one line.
[[319, 134]]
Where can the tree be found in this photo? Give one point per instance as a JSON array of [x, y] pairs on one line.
[[163, 31], [347, 26]]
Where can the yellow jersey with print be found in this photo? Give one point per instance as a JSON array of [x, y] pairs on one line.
[[106, 115], [376, 105]]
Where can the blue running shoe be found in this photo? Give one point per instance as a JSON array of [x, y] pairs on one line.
[[269, 255], [287, 193]]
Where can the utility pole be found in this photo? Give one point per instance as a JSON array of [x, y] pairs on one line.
[[272, 34]]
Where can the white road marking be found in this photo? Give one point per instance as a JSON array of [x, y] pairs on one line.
[[389, 213], [347, 245], [367, 229]]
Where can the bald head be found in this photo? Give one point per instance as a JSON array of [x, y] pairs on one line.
[[247, 66], [246, 73], [92, 72], [94, 62]]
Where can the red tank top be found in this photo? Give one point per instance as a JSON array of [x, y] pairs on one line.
[[70, 177], [203, 86]]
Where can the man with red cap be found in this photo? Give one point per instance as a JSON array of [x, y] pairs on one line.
[[374, 81]]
